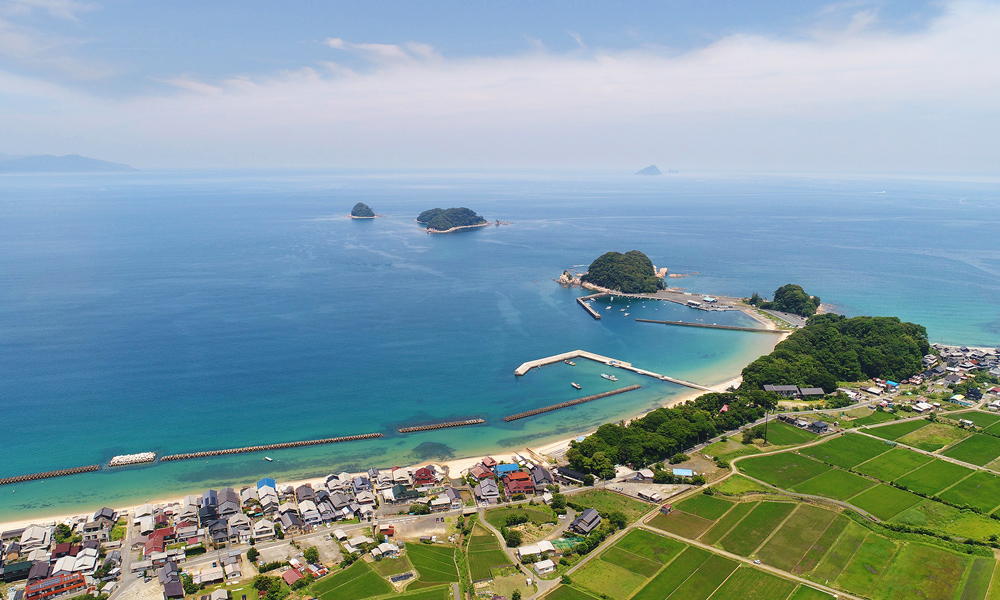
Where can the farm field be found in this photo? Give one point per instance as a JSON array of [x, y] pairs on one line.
[[933, 477], [650, 545], [603, 577], [995, 428], [867, 565], [484, 554], [893, 464], [681, 523], [822, 546], [353, 583], [668, 580], [978, 582], [605, 501], [795, 536], [978, 449], [949, 520], [705, 506], [809, 593], [497, 517], [730, 449], [847, 450], [723, 525], [755, 527], [832, 565], [981, 490], [740, 484], [897, 430], [442, 592], [934, 437], [631, 562], [875, 417], [836, 484], [921, 571], [980, 418], [752, 584], [565, 592], [387, 567], [783, 470], [783, 434], [434, 564], [703, 582], [885, 502]]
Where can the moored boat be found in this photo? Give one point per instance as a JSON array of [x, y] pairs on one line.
[[576, 385], [609, 377]]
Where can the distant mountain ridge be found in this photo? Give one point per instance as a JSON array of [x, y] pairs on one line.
[[73, 163]]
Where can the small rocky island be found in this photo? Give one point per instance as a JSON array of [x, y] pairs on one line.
[[362, 211], [441, 220], [629, 273]]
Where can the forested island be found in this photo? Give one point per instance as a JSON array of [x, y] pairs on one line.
[[441, 220], [789, 298], [629, 273], [828, 349], [362, 211]]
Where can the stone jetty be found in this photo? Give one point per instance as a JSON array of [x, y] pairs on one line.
[[441, 425], [553, 407], [133, 459], [48, 474], [713, 326], [349, 438]]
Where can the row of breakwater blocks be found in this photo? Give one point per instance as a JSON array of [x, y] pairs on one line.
[[714, 326], [545, 409], [48, 474], [440, 425], [123, 460], [348, 438]]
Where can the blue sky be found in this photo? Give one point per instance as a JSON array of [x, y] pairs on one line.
[[855, 86]]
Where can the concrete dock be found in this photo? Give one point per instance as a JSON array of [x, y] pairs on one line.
[[611, 362], [583, 302], [713, 326]]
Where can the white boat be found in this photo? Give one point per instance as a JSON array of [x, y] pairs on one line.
[[609, 377], [268, 459], [625, 315], [575, 384]]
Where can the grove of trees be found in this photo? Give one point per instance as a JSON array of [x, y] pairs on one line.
[[630, 273], [440, 219], [789, 298]]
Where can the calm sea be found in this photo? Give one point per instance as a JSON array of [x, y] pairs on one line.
[[177, 312]]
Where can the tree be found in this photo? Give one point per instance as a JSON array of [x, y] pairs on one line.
[[558, 501], [512, 537], [278, 533], [420, 509], [311, 554], [617, 519], [252, 554], [566, 580], [631, 273], [516, 595], [679, 458], [190, 587], [793, 299], [588, 480]]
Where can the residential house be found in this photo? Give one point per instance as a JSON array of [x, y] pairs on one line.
[[480, 472], [644, 475], [305, 492], [518, 482], [567, 475], [785, 391], [240, 529], [544, 566], [310, 514], [540, 476], [229, 503], [248, 496], [505, 468], [291, 576], [423, 477], [361, 484], [536, 549], [59, 585], [263, 530], [402, 476], [268, 499], [586, 522], [487, 491], [454, 497], [35, 537], [291, 523], [489, 462]]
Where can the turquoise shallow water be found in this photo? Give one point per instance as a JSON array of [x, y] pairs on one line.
[[189, 311]]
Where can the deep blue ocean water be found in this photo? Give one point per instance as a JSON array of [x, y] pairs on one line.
[[178, 312]]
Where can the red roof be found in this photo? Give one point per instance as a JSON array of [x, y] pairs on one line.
[[480, 472], [164, 532], [291, 576], [423, 475], [518, 482], [489, 462]]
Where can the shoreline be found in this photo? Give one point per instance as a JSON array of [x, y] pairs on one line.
[[454, 466], [454, 229]]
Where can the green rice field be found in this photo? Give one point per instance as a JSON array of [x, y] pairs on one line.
[[723, 525], [603, 577], [809, 593], [565, 592], [847, 450], [875, 417], [755, 527], [484, 554], [921, 571], [783, 470], [897, 430], [651, 546], [353, 583], [783, 434], [752, 584], [822, 546], [980, 418], [981, 490], [867, 565], [795, 537], [835, 483], [934, 477], [978, 449], [434, 563], [885, 502], [933, 437], [668, 580], [703, 582], [705, 506], [893, 464], [681, 523]]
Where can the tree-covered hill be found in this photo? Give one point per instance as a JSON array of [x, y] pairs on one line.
[[832, 348], [790, 298], [362, 210], [630, 273], [440, 219]]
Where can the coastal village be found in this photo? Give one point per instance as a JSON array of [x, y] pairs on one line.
[[503, 528]]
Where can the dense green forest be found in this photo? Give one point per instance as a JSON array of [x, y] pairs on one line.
[[631, 273], [829, 348], [666, 431], [440, 219], [362, 210], [832, 348], [789, 298]]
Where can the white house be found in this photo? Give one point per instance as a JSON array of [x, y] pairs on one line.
[[544, 566]]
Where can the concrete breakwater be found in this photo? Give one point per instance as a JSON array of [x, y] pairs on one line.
[[349, 438], [132, 459], [440, 425], [618, 364], [48, 474], [583, 302], [712, 326], [553, 407]]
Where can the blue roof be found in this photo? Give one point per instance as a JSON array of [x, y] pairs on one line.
[[507, 468], [266, 481], [892, 383], [684, 472]]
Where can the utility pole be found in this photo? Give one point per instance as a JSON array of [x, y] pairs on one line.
[[765, 424]]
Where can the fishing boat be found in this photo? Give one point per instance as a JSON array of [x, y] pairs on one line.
[[609, 377], [625, 315], [268, 459], [576, 385], [569, 362]]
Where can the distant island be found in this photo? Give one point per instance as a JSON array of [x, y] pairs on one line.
[[61, 164], [440, 220], [362, 211], [629, 273], [650, 170]]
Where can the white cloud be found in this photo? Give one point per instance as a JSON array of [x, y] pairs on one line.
[[859, 98], [62, 9]]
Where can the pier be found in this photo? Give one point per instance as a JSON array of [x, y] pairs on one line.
[[349, 438], [440, 425], [611, 362], [545, 409], [48, 474], [713, 326], [583, 302]]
